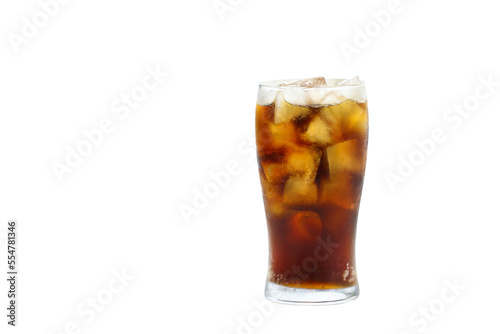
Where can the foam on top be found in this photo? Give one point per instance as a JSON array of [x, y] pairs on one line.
[[313, 91]]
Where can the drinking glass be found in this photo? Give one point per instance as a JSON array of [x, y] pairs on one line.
[[312, 139]]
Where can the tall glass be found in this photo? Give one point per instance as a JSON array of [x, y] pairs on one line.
[[311, 144]]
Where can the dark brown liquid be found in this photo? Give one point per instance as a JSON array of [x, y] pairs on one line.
[[311, 164]]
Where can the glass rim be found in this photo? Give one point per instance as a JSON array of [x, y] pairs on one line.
[[277, 85]]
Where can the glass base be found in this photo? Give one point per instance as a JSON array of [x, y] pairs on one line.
[[298, 296]]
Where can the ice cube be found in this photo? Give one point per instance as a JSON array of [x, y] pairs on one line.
[[352, 81], [286, 111], [323, 130], [318, 132], [300, 191], [275, 137], [351, 89], [310, 82], [275, 173], [303, 162], [357, 92], [305, 227], [349, 156], [341, 190], [266, 96], [348, 114], [334, 121], [346, 109], [312, 92], [275, 208], [313, 97], [282, 133], [357, 121], [332, 98]]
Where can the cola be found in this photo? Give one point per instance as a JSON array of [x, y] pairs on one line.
[[312, 139]]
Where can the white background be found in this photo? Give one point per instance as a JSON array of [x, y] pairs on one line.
[[119, 209]]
